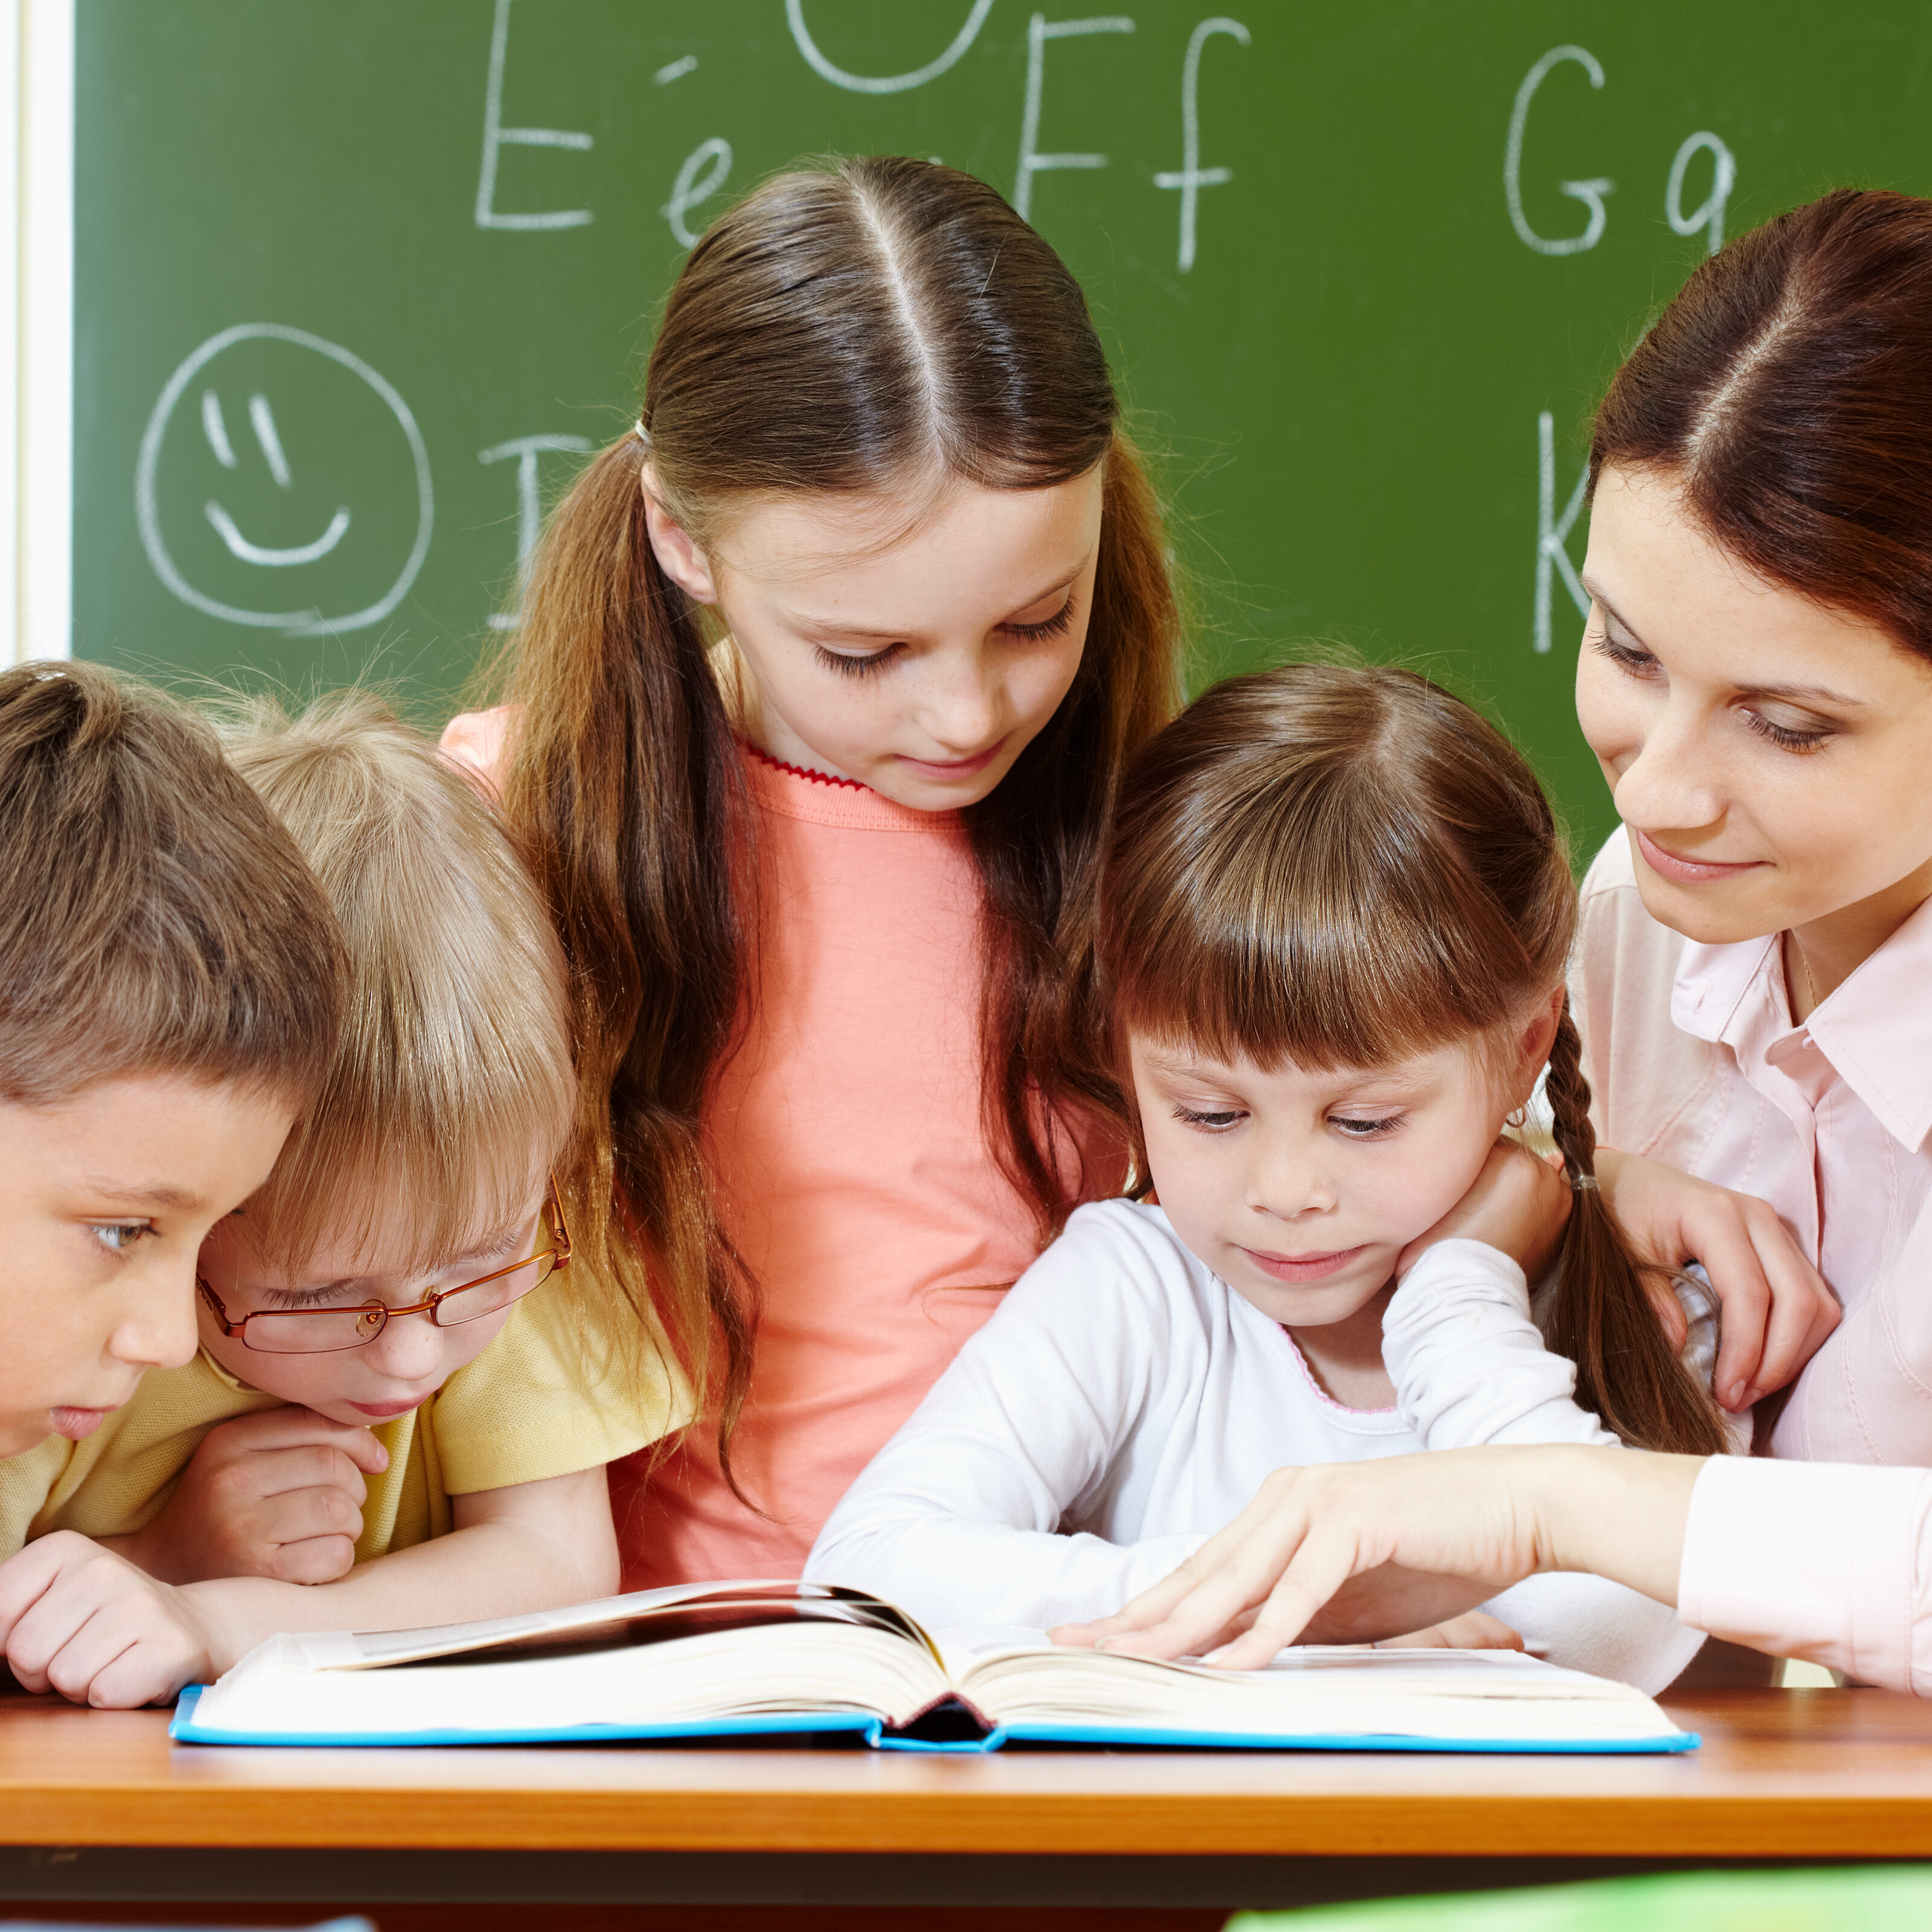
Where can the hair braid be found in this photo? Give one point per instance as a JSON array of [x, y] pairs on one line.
[[1599, 1313], [1568, 1091]]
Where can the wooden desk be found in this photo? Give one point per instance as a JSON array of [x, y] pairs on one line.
[[100, 1805]]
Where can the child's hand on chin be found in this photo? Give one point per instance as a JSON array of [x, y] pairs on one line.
[[76, 1618], [1517, 1203], [276, 1494]]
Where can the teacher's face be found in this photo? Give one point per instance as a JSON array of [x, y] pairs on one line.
[[1771, 757]]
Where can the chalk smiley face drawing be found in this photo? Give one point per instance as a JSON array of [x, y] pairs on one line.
[[250, 526]]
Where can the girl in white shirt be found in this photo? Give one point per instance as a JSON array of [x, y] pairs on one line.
[[1334, 921]]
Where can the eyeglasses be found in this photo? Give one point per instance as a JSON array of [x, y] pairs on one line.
[[321, 1331]]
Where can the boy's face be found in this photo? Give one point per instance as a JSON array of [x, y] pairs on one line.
[[106, 1197], [1300, 1189], [408, 1361]]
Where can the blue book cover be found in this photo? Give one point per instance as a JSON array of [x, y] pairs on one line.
[[786, 1660]]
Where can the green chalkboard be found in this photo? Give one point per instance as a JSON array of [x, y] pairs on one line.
[[354, 276]]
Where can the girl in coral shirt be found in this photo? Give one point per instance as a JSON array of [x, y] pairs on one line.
[[828, 674]]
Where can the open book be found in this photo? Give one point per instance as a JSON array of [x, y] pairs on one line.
[[719, 1659]]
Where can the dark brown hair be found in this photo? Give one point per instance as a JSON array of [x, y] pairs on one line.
[[1345, 866], [1789, 389], [875, 327], [156, 917]]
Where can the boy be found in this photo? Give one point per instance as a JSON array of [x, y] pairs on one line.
[[170, 988]]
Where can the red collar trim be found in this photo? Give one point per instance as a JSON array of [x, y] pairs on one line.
[[799, 771]]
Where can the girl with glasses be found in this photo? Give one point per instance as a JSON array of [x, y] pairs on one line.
[[406, 1393]]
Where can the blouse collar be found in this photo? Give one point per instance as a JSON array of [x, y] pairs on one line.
[[1876, 1029]]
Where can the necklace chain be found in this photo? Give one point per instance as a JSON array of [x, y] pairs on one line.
[[1804, 967]]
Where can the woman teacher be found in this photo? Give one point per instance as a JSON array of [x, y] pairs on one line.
[[1754, 983]]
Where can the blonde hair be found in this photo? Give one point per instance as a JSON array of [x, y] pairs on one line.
[[452, 1087], [1345, 866]]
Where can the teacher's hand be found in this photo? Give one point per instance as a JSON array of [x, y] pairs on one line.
[[1776, 1308], [1479, 1520]]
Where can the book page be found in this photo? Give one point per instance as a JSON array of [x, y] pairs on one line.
[[1465, 1695], [611, 1623]]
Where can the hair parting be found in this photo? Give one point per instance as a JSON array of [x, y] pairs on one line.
[[883, 328], [1786, 388]]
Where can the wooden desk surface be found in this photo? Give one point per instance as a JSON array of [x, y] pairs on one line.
[[1782, 1774]]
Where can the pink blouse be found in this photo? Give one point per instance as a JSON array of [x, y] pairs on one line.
[[1693, 1059], [1816, 1560]]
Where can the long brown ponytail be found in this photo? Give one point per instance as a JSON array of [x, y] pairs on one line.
[[1344, 866], [879, 326]]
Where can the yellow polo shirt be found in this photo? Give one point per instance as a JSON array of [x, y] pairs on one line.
[[519, 1413]]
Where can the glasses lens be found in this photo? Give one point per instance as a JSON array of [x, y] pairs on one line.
[[312, 1331], [485, 1297]]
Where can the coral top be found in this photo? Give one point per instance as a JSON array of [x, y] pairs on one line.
[[853, 1171]]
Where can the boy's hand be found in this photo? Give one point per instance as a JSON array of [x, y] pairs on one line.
[[276, 1494], [77, 1618]]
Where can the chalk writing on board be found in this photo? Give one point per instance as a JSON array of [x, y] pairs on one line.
[[891, 83], [676, 70], [1040, 31], [268, 440], [1192, 177], [373, 556], [1708, 214], [496, 137], [1552, 532], [702, 175], [1591, 193], [529, 503]]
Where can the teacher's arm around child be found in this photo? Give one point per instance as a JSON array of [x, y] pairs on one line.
[[170, 984], [403, 1382]]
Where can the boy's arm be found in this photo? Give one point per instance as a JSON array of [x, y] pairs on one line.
[[82, 1621]]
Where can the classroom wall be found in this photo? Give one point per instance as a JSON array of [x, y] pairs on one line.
[[355, 281]]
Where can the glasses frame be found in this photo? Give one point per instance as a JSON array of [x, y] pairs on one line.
[[557, 1254]]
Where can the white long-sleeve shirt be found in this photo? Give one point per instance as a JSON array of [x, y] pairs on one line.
[[1124, 1404]]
